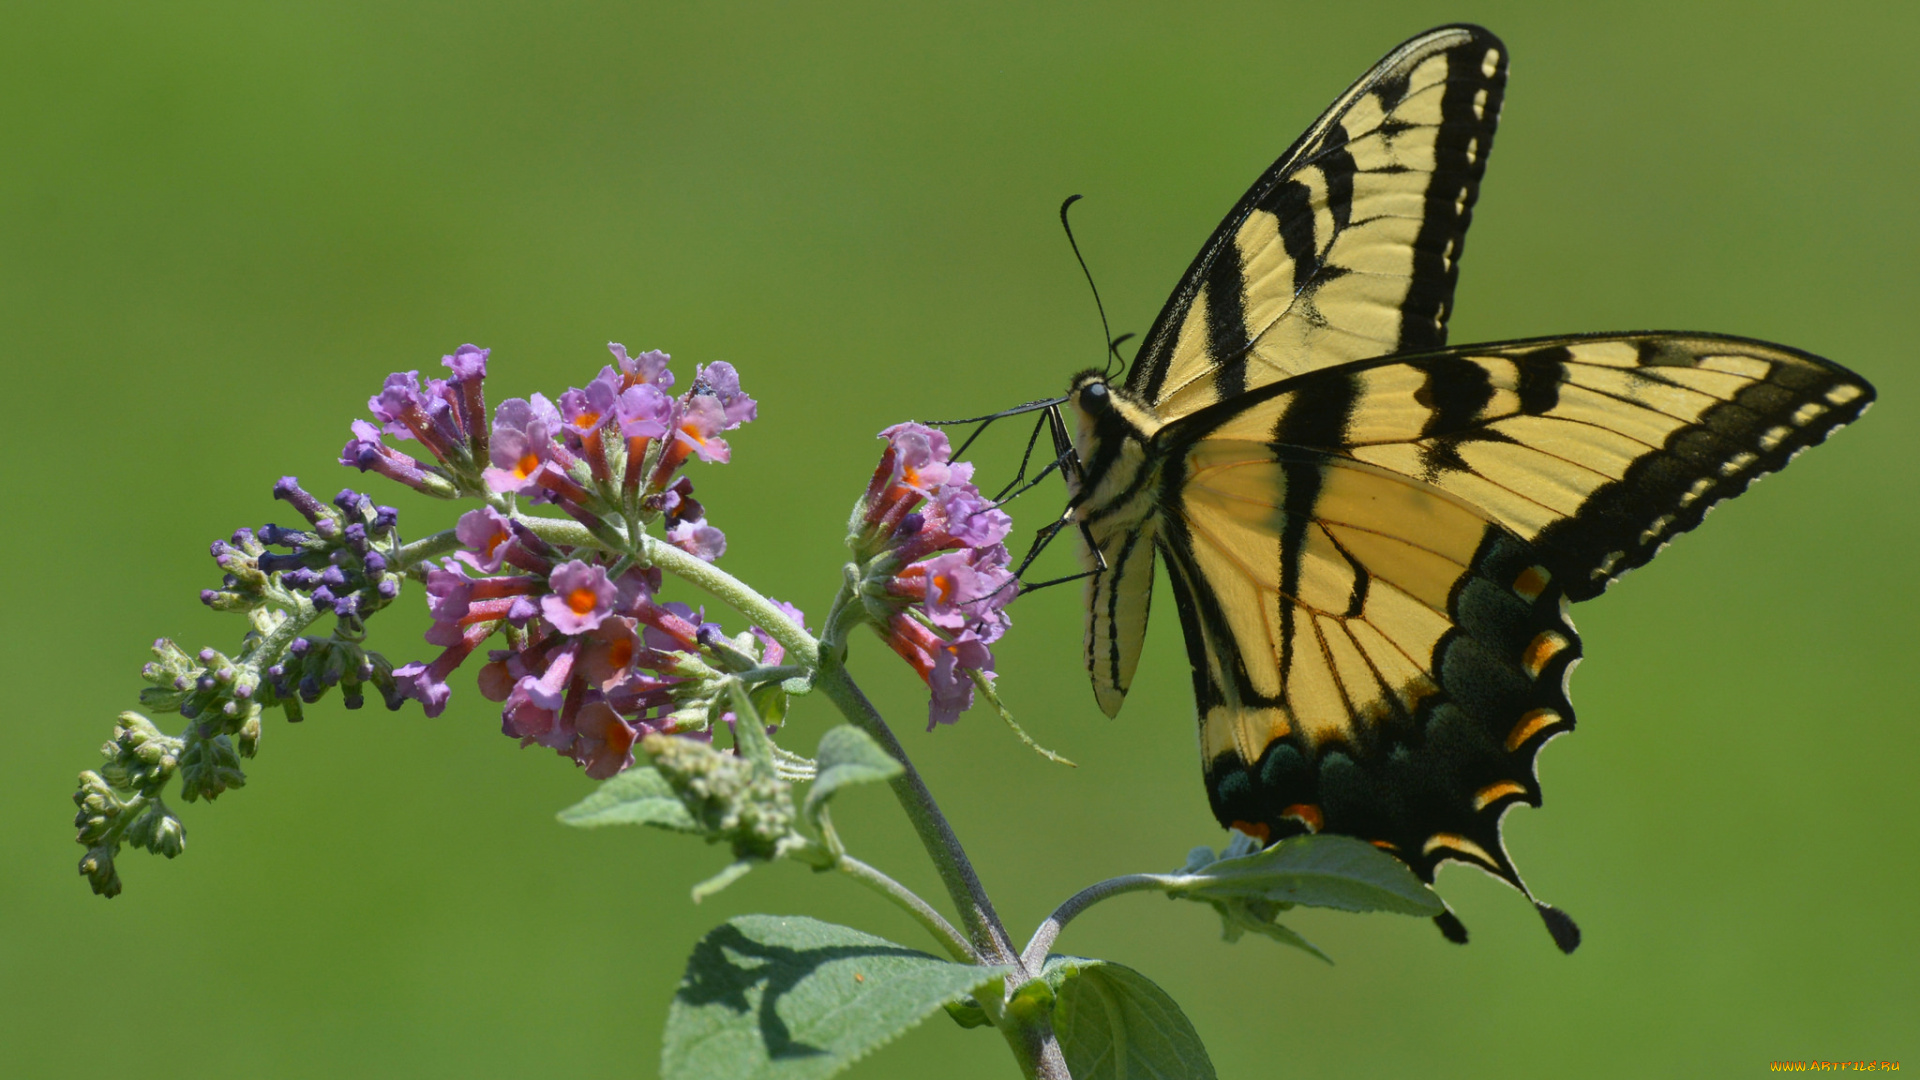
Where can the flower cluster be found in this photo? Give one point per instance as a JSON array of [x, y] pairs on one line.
[[934, 576], [595, 661]]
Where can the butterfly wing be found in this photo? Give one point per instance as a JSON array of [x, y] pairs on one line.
[[1348, 247], [1370, 561]]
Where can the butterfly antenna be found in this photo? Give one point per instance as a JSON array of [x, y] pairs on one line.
[[1106, 332]]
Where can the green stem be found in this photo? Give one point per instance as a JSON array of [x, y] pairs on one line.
[[906, 900], [984, 929], [1036, 951], [1031, 1038], [735, 593], [427, 547]]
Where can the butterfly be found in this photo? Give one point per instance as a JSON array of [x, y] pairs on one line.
[[1373, 537]]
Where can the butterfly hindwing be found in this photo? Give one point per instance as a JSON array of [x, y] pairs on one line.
[[1349, 245], [1370, 560]]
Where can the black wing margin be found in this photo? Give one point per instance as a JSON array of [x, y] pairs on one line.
[[1348, 247]]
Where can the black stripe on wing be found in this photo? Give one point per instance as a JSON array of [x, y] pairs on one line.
[[1432, 786], [1312, 191]]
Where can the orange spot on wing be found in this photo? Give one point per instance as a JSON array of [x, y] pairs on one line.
[[1306, 814], [1460, 845], [1493, 793], [1255, 829], [1385, 846], [1544, 646], [1531, 583], [1529, 726]]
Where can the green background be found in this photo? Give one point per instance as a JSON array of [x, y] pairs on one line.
[[222, 224]]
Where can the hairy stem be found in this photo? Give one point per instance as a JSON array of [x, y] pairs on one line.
[[1035, 953], [906, 900], [735, 593], [427, 547], [989, 937]]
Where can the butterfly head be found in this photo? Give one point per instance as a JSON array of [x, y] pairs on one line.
[[1105, 411]]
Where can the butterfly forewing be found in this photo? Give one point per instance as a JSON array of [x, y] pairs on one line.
[[1348, 247]]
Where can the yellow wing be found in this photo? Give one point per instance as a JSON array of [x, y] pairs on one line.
[[1371, 561], [1348, 246]]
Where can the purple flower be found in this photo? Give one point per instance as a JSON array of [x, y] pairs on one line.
[[721, 381], [486, 534], [969, 517], [468, 363], [581, 597], [952, 687], [427, 683], [523, 442], [698, 426], [586, 411], [603, 742], [367, 453], [643, 411], [922, 453], [648, 367], [410, 414], [699, 539], [937, 583]]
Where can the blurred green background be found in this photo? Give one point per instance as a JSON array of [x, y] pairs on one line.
[[222, 224]]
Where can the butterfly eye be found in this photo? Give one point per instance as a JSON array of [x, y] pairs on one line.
[[1094, 398]]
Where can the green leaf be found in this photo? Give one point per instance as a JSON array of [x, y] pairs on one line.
[[1243, 913], [639, 796], [1319, 871], [847, 756], [768, 998], [1115, 1024]]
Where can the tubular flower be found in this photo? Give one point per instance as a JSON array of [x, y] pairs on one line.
[[934, 576], [594, 660], [447, 416]]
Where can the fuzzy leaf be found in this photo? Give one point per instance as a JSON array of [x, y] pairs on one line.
[[639, 796], [847, 756], [1115, 1024], [1319, 871], [769, 998]]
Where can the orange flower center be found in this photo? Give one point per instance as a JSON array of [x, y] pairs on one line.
[[582, 600], [526, 465]]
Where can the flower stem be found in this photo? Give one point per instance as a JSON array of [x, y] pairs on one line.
[[906, 900], [989, 937], [427, 547], [1036, 951]]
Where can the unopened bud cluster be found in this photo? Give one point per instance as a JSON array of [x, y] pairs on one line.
[[731, 798]]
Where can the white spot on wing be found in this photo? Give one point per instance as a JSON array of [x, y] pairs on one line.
[[1490, 63], [1737, 462], [1807, 412], [1773, 436], [1840, 395]]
